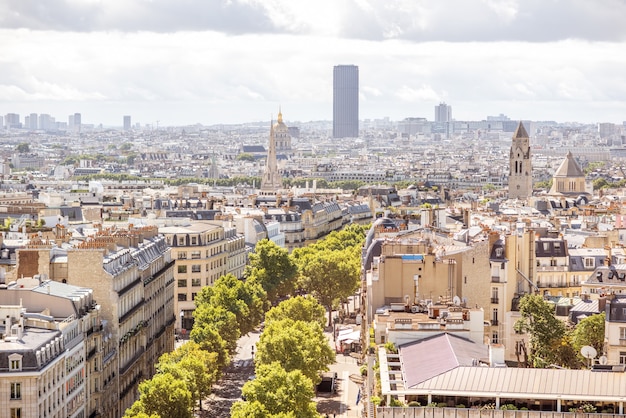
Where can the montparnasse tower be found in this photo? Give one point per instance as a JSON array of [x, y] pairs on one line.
[[272, 181]]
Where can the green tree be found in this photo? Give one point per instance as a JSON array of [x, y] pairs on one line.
[[330, 276], [589, 331], [546, 331], [276, 393], [296, 345], [209, 339], [221, 320], [244, 299], [23, 147], [272, 267], [165, 396], [245, 156], [199, 368], [299, 308], [600, 183]]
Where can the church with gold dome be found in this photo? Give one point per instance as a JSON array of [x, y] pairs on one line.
[[281, 135]]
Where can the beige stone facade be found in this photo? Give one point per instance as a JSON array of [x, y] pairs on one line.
[[131, 273], [201, 255]]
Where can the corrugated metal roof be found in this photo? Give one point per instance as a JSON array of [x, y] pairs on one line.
[[530, 383]]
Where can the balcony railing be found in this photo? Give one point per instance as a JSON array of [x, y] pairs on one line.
[[494, 322], [495, 300]]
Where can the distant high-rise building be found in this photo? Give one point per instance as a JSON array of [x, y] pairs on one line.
[[12, 120], [520, 171], [32, 122], [443, 113], [127, 123], [77, 122], [345, 101], [47, 122]]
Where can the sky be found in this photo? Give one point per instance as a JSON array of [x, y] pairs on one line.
[[180, 62]]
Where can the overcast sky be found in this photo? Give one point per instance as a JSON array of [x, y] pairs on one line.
[[230, 61]]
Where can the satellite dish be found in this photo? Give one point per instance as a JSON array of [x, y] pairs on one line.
[[603, 360], [588, 352], [456, 300]]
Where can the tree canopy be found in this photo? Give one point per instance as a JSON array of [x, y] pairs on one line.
[[223, 321], [330, 276], [244, 299], [276, 393], [299, 308], [273, 268], [589, 331], [296, 345], [546, 331], [199, 368], [164, 396]]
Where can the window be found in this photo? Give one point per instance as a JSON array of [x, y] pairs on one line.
[[182, 282], [16, 391], [194, 240], [196, 282], [553, 263], [193, 296], [182, 269], [181, 241], [499, 252], [196, 268], [622, 357], [494, 337], [182, 297], [589, 262], [182, 255], [15, 362], [622, 333], [195, 255], [16, 412]]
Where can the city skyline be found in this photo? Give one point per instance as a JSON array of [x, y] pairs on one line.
[[242, 59]]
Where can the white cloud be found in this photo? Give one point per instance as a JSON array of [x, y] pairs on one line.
[[200, 75]]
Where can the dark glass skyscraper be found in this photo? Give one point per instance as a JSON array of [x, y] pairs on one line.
[[346, 101]]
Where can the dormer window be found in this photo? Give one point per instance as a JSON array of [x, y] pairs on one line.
[[499, 252], [15, 363]]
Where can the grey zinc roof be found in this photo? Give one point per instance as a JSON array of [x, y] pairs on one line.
[[430, 357], [32, 340], [569, 167]]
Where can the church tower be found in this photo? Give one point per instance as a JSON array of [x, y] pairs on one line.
[[520, 169], [271, 181]]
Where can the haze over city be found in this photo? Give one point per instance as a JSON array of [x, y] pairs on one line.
[[236, 61]]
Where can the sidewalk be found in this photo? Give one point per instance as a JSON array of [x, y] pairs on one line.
[[343, 403]]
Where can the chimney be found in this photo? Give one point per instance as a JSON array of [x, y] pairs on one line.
[[496, 355], [602, 303]]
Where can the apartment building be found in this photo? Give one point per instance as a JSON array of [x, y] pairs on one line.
[[200, 252], [48, 352], [131, 273]]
